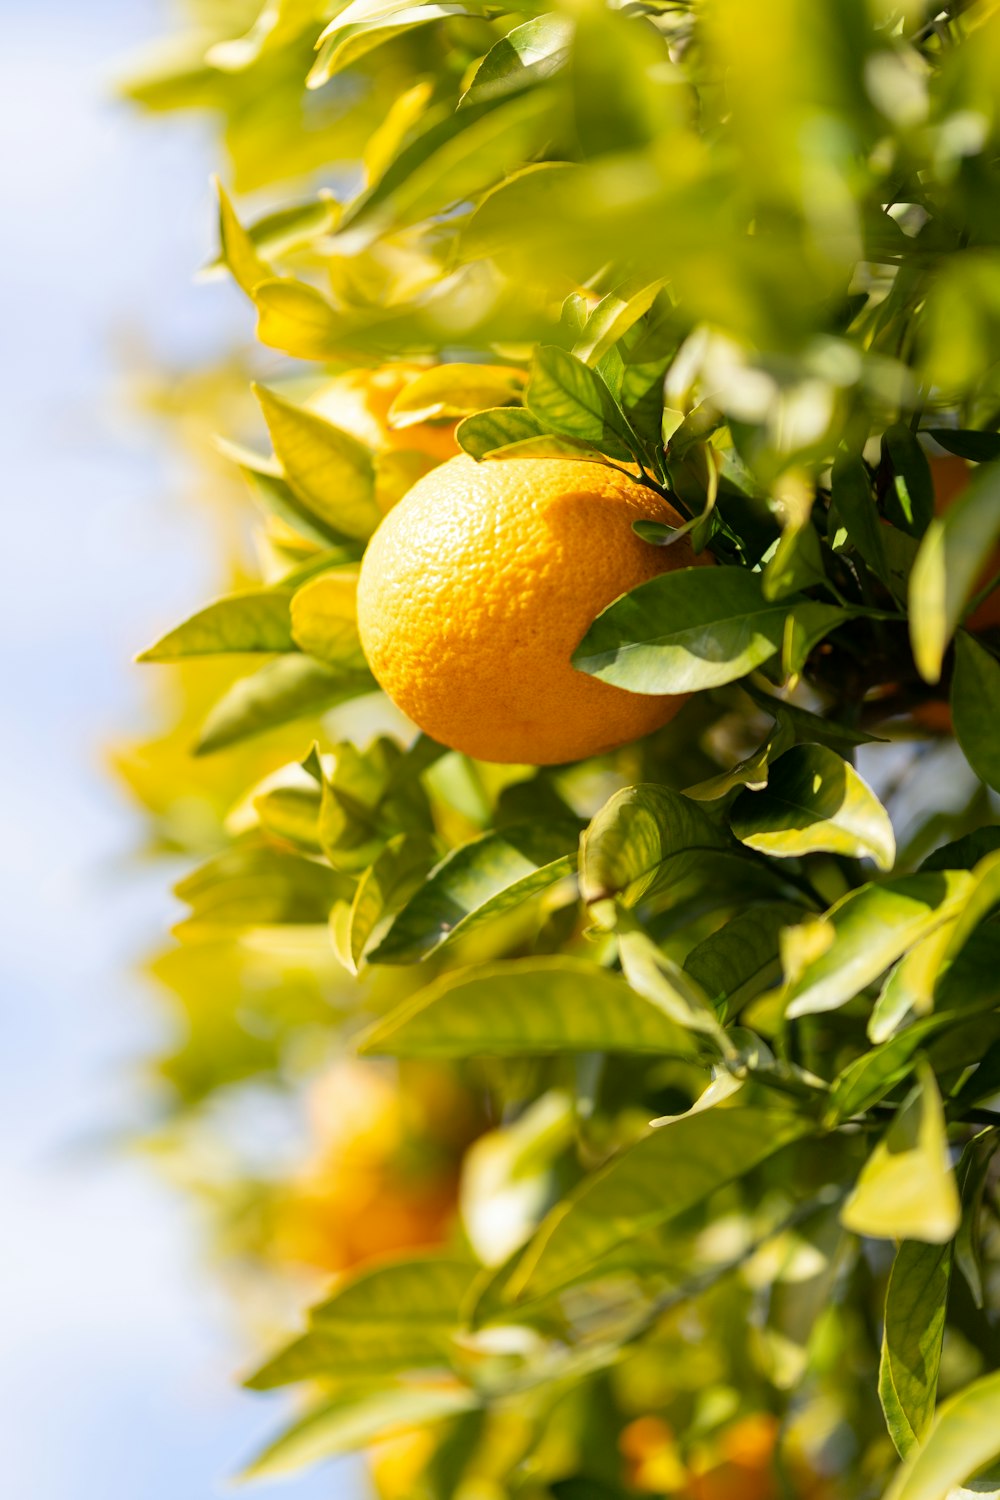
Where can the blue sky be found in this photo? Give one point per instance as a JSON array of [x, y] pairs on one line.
[[118, 1355]]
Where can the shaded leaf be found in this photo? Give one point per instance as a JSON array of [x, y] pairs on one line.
[[975, 708], [684, 631], [634, 834], [743, 958], [910, 503], [388, 884], [475, 883], [854, 502]]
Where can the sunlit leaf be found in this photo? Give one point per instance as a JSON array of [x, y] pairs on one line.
[[455, 390], [389, 1318], [946, 568], [667, 1172], [569, 398], [324, 621], [329, 469], [907, 1189], [963, 1437], [525, 1006], [529, 53], [869, 930], [388, 884], [814, 800], [352, 1421], [280, 691], [254, 621]]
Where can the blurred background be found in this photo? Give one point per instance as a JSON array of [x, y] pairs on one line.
[[118, 1355]]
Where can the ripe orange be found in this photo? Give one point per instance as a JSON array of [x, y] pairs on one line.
[[359, 403], [476, 589]]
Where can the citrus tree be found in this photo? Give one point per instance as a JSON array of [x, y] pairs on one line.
[[593, 777]]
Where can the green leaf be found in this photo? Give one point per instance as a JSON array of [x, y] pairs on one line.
[[743, 958], [483, 433], [328, 469], [454, 159], [238, 251], [388, 884], [807, 624], [369, 796], [855, 505], [529, 53], [684, 631], [455, 390], [975, 708], [569, 398], [341, 50], [973, 1174], [635, 833], [814, 800], [526, 1006], [912, 1335], [947, 565], [475, 883], [654, 975], [964, 1436], [324, 620], [292, 687], [669, 1171], [253, 886], [349, 1422], [979, 447], [389, 1318], [257, 620], [910, 503], [906, 1189], [753, 771], [868, 930], [297, 319]]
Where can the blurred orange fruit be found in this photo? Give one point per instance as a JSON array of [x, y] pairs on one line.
[[476, 589], [384, 1174], [359, 403]]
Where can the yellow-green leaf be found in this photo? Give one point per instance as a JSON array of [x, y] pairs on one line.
[[814, 800], [907, 1189], [947, 565], [331, 471]]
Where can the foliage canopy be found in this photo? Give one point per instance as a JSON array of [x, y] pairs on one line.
[[684, 1148]]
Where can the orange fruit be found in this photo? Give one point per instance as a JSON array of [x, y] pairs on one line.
[[359, 403], [476, 589]]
